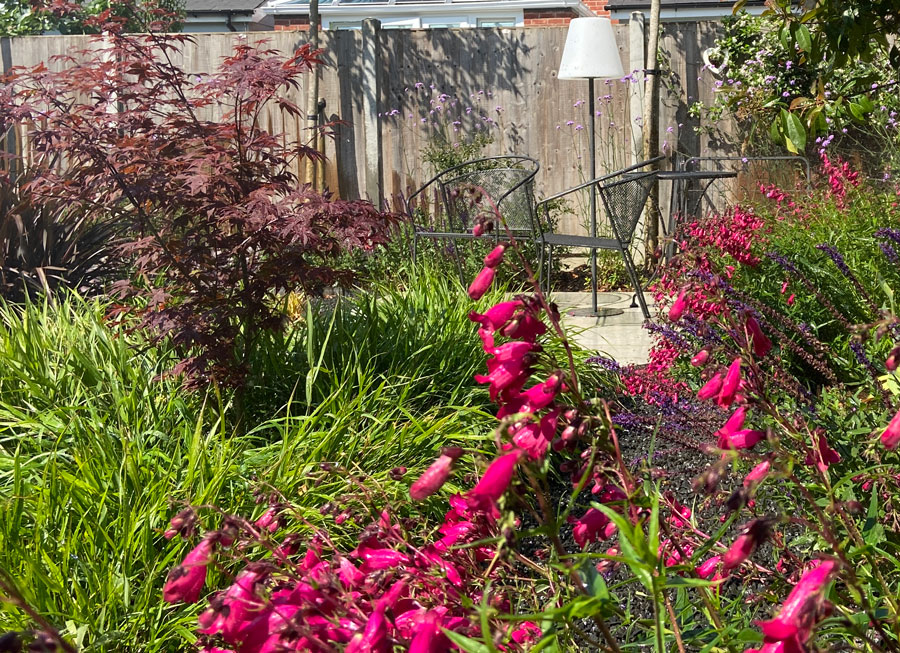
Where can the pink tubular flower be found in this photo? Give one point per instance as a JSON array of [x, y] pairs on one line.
[[734, 423], [730, 385], [757, 474], [761, 343], [436, 475], [823, 455], [185, 581], [891, 436], [493, 484], [234, 608], [678, 307], [755, 533], [799, 611], [700, 358], [496, 317], [495, 257], [374, 637], [711, 388], [743, 439], [590, 527], [708, 567], [509, 369], [268, 521], [481, 283], [429, 638], [534, 438], [526, 633], [376, 556]]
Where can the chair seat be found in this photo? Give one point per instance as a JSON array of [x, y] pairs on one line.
[[570, 240]]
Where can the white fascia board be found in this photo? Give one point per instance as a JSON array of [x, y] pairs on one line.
[[373, 10], [686, 13]]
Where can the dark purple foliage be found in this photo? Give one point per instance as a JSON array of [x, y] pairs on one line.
[[222, 228]]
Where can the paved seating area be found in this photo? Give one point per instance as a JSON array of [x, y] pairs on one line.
[[619, 335]]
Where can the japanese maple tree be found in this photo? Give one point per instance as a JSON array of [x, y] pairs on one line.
[[219, 227]]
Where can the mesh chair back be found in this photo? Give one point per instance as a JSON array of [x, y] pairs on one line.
[[624, 201], [477, 192]]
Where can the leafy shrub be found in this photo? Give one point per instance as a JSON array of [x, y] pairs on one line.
[[47, 245], [222, 230]]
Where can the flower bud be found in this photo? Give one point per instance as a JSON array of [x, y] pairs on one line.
[[495, 257], [481, 283], [700, 358]]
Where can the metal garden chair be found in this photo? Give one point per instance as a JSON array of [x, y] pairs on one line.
[[624, 194], [467, 191]]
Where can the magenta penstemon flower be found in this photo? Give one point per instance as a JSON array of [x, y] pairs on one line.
[[497, 477], [185, 582], [592, 526], [801, 609], [890, 438], [700, 358], [709, 567], [711, 388], [730, 385], [761, 343], [755, 533], [481, 283], [823, 455], [495, 256], [509, 369], [232, 610], [679, 306], [743, 439], [757, 474], [436, 475]]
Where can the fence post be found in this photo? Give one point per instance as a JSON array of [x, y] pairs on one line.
[[636, 64], [371, 65]]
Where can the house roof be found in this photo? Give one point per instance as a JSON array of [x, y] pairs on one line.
[[622, 5], [221, 6]]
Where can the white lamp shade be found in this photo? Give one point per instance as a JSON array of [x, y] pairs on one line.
[[590, 51]]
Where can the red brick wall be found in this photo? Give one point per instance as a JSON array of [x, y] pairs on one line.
[[544, 17], [292, 23], [597, 6]]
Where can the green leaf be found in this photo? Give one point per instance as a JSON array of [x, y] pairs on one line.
[[775, 132], [857, 111], [794, 132], [804, 40], [466, 643], [785, 35]]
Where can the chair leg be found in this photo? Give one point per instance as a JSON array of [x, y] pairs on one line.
[[540, 270], [549, 267], [632, 273]]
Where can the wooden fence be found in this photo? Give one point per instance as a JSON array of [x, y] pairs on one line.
[[394, 91]]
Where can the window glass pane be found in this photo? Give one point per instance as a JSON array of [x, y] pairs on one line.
[[496, 22], [345, 24], [442, 25]]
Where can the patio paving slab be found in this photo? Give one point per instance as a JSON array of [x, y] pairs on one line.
[[619, 336]]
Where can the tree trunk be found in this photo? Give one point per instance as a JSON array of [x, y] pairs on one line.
[[312, 97], [651, 130]]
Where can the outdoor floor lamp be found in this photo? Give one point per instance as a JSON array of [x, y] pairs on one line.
[[591, 53]]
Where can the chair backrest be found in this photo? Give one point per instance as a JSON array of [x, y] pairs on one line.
[[476, 187], [624, 197]]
